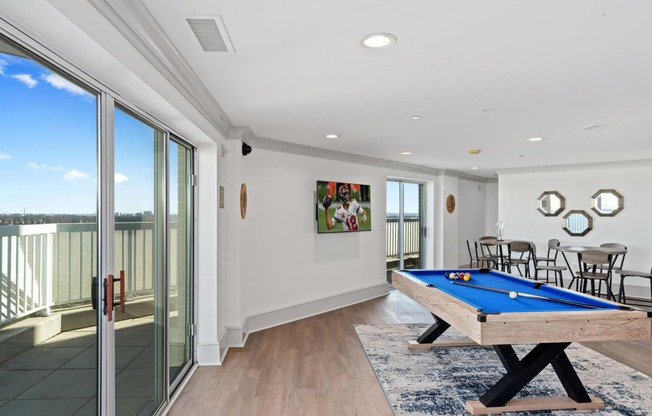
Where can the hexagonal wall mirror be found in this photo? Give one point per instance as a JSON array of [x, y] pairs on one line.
[[551, 203], [577, 223], [607, 202]]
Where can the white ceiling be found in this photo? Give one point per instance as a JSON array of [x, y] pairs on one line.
[[481, 75]]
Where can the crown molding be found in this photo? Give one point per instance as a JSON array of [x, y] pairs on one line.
[[620, 164], [245, 134], [132, 19]]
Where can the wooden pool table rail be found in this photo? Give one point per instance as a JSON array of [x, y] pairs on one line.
[[527, 327]]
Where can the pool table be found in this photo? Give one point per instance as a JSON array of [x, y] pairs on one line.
[[500, 310]]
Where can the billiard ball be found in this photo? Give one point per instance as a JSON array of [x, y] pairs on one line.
[[513, 295], [467, 277]]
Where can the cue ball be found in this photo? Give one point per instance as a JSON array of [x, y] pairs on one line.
[[513, 295]]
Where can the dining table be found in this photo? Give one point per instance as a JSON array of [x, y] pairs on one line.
[[577, 248]]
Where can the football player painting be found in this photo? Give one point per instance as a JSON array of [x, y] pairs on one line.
[[346, 214]]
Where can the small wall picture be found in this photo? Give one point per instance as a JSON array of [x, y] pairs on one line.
[[343, 207]]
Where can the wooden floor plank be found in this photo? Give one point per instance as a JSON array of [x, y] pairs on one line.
[[317, 366]]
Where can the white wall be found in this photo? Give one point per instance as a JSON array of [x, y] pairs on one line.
[[279, 269], [491, 207], [284, 263], [472, 210], [517, 207]]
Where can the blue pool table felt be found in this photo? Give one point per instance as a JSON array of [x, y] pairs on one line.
[[491, 302]]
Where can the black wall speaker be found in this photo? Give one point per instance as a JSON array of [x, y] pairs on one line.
[[246, 149]]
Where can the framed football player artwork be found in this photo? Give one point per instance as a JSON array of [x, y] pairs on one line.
[[343, 207]]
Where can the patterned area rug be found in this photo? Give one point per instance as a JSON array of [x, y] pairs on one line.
[[439, 381]]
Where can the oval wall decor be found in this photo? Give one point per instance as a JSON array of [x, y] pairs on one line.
[[243, 201], [450, 204]]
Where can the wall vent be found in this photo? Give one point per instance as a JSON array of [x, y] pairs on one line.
[[211, 34]]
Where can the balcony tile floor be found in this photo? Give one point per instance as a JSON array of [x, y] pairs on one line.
[[58, 376]]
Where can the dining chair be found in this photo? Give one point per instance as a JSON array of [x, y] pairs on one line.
[[518, 254], [544, 265], [617, 265], [595, 265], [625, 273], [551, 256], [489, 253], [473, 254]]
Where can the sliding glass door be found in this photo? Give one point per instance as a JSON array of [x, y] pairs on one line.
[[49, 247], [139, 260], [180, 261], [96, 234], [405, 225]]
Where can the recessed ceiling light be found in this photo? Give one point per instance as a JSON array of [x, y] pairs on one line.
[[406, 153], [535, 139], [474, 168], [332, 136], [378, 41], [416, 117], [474, 151]]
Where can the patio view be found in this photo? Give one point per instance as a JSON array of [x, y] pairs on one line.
[[82, 201]]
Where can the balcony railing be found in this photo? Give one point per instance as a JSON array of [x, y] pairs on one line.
[[52, 265], [412, 240]]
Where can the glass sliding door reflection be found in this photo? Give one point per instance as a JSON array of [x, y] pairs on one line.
[[48, 239], [180, 263], [140, 258]]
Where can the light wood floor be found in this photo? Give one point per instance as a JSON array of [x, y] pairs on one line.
[[317, 366]]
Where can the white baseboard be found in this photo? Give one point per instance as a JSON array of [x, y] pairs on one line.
[[208, 354], [304, 310], [234, 337]]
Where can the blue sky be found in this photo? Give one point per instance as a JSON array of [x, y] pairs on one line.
[[48, 147], [410, 196]]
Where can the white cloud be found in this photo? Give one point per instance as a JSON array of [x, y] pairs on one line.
[[74, 175], [3, 65], [56, 168], [119, 178], [4, 156], [63, 84], [36, 166], [25, 79]]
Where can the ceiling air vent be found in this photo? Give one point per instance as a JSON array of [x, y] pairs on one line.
[[211, 34]]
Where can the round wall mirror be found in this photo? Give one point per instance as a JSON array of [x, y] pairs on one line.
[[607, 202], [551, 203], [577, 223]]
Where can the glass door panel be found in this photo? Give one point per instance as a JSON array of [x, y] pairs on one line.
[[405, 229], [412, 225], [140, 258], [180, 264], [392, 230], [48, 240]]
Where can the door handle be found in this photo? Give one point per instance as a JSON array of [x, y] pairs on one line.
[[109, 294], [108, 300], [121, 302]]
